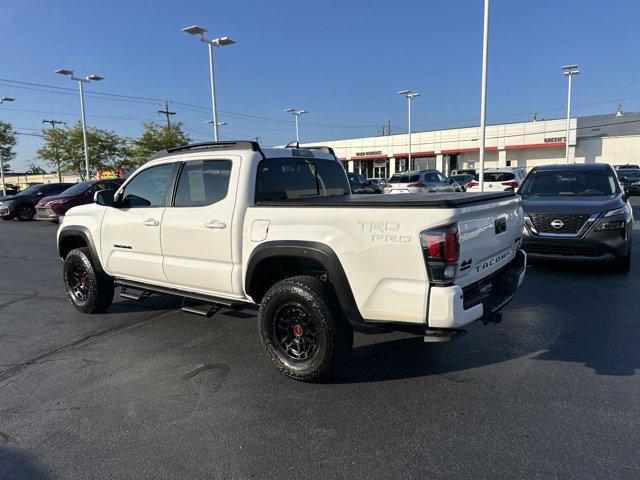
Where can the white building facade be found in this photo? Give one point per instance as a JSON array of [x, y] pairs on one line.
[[525, 145]]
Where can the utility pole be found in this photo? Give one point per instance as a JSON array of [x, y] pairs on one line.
[[167, 113], [483, 93], [569, 71], [53, 127]]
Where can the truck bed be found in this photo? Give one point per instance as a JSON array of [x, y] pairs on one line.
[[400, 200]]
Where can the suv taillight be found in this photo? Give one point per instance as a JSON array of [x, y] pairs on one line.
[[472, 184], [510, 184], [420, 185], [441, 251]]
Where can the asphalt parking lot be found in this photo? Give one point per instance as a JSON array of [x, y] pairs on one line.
[[147, 391]]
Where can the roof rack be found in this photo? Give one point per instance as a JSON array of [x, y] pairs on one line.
[[211, 146], [322, 148]]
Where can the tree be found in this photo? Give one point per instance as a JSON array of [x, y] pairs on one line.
[[106, 149], [33, 169], [8, 140], [157, 137]]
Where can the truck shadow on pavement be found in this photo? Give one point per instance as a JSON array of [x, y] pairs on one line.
[[16, 465]]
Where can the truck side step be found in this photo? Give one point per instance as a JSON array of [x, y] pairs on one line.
[[200, 307], [134, 294], [440, 335]]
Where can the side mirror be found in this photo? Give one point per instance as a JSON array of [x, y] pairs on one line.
[[104, 198]]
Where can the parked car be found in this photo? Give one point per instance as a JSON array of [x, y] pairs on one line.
[[11, 188], [464, 171], [235, 224], [359, 184], [379, 181], [419, 181], [498, 179], [626, 166], [22, 205], [53, 207], [577, 212], [630, 180], [463, 180]]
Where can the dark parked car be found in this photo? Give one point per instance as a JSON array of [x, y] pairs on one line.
[[627, 165], [630, 180], [462, 180], [55, 206], [359, 184], [577, 212], [22, 205]]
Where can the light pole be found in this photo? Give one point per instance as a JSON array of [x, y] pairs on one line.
[[296, 113], [569, 71], [4, 188], [216, 42], [220, 124], [410, 96], [483, 93], [81, 80]]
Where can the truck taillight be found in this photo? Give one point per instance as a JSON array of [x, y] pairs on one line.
[[510, 184], [421, 185], [441, 250], [472, 184]]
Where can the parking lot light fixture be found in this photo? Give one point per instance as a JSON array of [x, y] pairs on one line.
[[483, 94], [81, 81], [4, 188], [216, 42], [296, 113], [410, 96], [220, 124], [569, 71]]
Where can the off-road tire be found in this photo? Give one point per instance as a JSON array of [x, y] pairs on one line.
[[25, 213], [310, 296], [97, 289]]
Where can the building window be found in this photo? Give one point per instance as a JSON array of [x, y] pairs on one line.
[[508, 163]]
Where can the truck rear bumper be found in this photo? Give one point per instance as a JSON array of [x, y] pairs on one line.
[[455, 307]]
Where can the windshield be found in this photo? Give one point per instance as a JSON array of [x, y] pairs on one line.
[[30, 190], [630, 173], [583, 183], [496, 176], [77, 189]]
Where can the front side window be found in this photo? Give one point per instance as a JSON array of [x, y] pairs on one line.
[[203, 183], [289, 178], [149, 187]]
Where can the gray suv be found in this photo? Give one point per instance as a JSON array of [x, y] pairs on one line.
[[420, 181]]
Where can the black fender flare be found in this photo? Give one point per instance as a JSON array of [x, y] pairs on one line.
[[80, 231], [319, 252]]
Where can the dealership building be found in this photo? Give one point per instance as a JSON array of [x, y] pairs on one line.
[[611, 138]]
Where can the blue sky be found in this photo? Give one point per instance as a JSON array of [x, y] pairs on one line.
[[342, 61]]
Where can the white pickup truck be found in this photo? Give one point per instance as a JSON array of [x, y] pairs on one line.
[[233, 224]]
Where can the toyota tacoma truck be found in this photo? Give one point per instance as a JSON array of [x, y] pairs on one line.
[[231, 224]]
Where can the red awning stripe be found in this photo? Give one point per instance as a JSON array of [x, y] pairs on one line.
[[536, 145], [414, 154], [368, 157]]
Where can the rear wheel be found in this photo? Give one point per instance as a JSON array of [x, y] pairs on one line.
[[25, 213], [302, 328], [88, 290]]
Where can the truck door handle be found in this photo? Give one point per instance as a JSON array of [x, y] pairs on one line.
[[151, 222], [216, 224]]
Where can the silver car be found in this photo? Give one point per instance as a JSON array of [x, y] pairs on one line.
[[419, 181]]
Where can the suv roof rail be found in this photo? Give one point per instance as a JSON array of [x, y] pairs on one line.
[[210, 146], [322, 148]]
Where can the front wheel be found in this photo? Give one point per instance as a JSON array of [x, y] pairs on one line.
[[302, 329], [25, 213], [88, 290]]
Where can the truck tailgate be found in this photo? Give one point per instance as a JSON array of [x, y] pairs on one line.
[[490, 234]]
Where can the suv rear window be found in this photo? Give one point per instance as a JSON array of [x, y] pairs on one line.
[[289, 178], [404, 178], [497, 176]]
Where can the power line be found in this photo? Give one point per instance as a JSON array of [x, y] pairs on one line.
[[167, 113]]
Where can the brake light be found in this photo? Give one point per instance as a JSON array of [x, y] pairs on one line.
[[472, 184], [387, 185], [421, 185], [441, 250], [510, 184]]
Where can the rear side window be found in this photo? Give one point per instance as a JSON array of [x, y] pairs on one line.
[[431, 177], [149, 187], [289, 178], [203, 183]]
